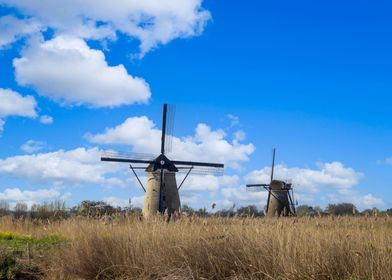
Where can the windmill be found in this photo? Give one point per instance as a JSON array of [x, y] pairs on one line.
[[162, 193], [280, 195]]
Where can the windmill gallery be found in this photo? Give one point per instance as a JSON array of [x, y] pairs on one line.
[[162, 193]]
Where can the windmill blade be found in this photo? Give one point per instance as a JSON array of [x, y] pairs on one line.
[[273, 164], [164, 120], [201, 170], [171, 111], [201, 164], [127, 157], [257, 185], [255, 189]]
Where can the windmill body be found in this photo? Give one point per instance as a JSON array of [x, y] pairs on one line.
[[171, 200], [280, 200], [161, 192]]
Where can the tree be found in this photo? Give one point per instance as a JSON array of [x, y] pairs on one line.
[[95, 208], [4, 208], [49, 210], [342, 209], [20, 210]]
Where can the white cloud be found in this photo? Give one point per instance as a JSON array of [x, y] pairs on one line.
[[240, 196], [240, 135], [353, 196], [45, 119], [151, 22], [234, 120], [189, 199], [32, 146], [16, 194], [369, 201], [207, 182], [66, 70], [116, 201], [14, 104], [206, 145], [78, 166], [1, 126], [29, 197], [13, 29], [333, 174]]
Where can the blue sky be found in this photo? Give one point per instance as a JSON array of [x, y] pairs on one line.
[[311, 79]]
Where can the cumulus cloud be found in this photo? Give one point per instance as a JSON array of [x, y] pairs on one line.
[[16, 194], [78, 166], [32, 146], [66, 70], [241, 196], [14, 104], [368, 201], [13, 29], [333, 174], [151, 22], [353, 196], [206, 145], [209, 183], [45, 119]]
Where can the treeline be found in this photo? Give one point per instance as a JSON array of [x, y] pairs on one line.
[[339, 209], [57, 210]]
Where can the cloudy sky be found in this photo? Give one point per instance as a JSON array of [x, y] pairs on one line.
[[84, 76]]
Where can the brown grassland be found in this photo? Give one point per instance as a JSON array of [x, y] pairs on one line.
[[212, 248]]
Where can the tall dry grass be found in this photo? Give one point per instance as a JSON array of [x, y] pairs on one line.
[[219, 248]]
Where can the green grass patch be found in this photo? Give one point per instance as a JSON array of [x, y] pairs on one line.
[[19, 242]]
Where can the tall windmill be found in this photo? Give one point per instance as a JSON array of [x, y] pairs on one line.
[[280, 201], [161, 193]]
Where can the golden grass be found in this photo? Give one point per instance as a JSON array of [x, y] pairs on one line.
[[218, 248]]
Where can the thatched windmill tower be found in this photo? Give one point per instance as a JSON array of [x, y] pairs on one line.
[[162, 193], [280, 200]]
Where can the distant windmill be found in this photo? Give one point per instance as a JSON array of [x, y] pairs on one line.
[[161, 194], [280, 195]]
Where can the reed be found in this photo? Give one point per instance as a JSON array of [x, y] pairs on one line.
[[217, 248]]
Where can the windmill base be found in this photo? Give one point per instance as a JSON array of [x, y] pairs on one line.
[[151, 199]]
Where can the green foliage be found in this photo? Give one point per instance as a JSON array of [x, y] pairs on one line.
[[7, 264], [18, 242], [10, 268]]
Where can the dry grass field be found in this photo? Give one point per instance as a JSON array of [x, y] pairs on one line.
[[211, 248]]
